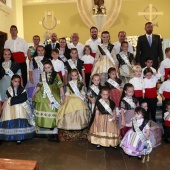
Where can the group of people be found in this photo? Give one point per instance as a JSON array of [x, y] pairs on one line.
[[100, 86]]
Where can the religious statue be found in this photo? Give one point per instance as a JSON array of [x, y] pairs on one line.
[[99, 7]]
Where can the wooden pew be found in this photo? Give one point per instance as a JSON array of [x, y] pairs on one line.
[[15, 164]]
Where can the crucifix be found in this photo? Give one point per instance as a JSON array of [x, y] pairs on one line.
[[150, 13]]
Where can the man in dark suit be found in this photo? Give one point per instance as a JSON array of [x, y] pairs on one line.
[[51, 46], [149, 45]]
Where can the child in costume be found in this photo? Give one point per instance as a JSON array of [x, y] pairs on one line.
[[127, 105], [74, 113], [93, 92], [136, 142], [155, 130], [150, 91], [17, 119], [126, 62], [88, 63], [35, 70], [167, 122], [137, 82], [114, 84], [104, 130], [47, 98], [165, 64]]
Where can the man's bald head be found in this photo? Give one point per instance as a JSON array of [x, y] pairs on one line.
[[53, 37]]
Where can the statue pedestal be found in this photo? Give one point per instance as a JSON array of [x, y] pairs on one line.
[[99, 21]]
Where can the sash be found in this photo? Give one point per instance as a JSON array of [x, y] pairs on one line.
[[106, 106], [39, 63], [113, 83], [63, 58], [47, 90], [125, 59], [26, 106], [7, 70], [95, 89], [76, 90], [108, 54], [146, 143], [130, 102], [72, 65]]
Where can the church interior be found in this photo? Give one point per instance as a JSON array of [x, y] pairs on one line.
[[65, 17]]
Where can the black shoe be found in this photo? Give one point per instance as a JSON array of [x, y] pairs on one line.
[[18, 142], [0, 142], [166, 141], [140, 157], [98, 146], [53, 138]]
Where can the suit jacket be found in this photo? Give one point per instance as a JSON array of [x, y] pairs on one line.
[[144, 50], [48, 50]]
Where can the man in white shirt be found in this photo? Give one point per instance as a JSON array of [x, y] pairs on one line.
[[94, 41], [19, 49], [117, 45], [75, 44]]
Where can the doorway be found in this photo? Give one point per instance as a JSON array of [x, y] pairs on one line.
[[3, 38]]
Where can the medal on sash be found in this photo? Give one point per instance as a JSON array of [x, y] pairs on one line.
[[76, 90], [7, 70], [47, 91], [113, 83], [125, 59], [95, 89], [106, 106], [72, 65], [26, 106], [63, 58], [130, 102], [39, 63]]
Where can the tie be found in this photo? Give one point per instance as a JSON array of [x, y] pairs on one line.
[[149, 40], [53, 46]]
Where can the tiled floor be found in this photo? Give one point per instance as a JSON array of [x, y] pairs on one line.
[[81, 155]]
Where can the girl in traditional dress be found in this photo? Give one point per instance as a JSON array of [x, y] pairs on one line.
[[14, 125], [150, 91], [155, 130], [114, 84], [126, 61], [104, 130], [74, 113], [35, 70], [93, 92], [88, 63], [75, 63], [136, 142], [105, 58], [128, 104], [47, 97], [8, 67]]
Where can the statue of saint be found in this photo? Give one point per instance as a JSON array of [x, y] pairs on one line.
[[99, 7]]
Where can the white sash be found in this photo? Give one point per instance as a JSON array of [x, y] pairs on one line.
[[26, 106], [63, 58], [108, 54], [113, 83], [95, 89], [146, 143], [72, 65], [106, 106], [7, 70], [47, 90], [39, 63], [130, 102], [76, 90], [125, 59]]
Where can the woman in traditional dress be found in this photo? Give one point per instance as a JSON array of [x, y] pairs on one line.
[[74, 114], [47, 97], [104, 130], [136, 142], [105, 58], [16, 116], [8, 67]]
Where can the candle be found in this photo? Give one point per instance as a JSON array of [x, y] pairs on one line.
[[45, 15], [52, 15]]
